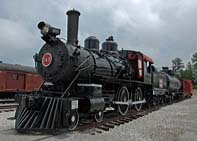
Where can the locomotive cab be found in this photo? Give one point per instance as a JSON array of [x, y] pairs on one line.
[[140, 62]]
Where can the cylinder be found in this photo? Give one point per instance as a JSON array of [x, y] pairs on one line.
[[89, 105], [72, 27]]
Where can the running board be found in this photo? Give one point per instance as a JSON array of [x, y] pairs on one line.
[[129, 102]]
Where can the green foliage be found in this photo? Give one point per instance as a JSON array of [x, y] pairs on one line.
[[195, 87], [194, 59], [183, 74], [194, 67], [187, 73], [177, 64], [190, 71]]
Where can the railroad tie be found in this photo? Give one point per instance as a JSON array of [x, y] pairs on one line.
[[115, 123], [98, 131], [129, 118], [124, 120], [119, 121], [140, 114], [11, 118], [147, 113], [133, 116], [108, 125], [103, 128]]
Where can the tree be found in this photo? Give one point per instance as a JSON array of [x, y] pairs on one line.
[[194, 67], [177, 65], [194, 59], [187, 73]]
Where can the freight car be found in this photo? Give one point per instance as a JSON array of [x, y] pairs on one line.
[[84, 81], [187, 88], [17, 79]]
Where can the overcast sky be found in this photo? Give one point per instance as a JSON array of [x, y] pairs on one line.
[[162, 29]]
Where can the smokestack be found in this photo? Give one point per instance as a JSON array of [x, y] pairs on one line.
[[72, 26]]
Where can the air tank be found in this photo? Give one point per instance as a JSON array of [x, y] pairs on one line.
[[91, 43]]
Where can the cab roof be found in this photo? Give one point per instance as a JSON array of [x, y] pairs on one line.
[[146, 58]]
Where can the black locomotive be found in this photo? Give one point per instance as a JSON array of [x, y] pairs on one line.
[[84, 81]]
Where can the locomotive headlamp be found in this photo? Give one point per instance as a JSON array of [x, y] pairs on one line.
[[49, 33], [45, 30]]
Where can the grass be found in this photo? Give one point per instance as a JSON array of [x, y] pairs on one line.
[[195, 87]]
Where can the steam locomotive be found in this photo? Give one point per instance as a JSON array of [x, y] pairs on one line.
[[84, 81]]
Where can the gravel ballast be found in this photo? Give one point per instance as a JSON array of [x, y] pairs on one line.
[[173, 122]]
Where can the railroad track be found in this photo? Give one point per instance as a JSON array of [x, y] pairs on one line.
[[4, 101], [7, 107], [113, 119]]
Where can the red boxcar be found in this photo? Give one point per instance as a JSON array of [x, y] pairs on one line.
[[187, 87], [18, 79]]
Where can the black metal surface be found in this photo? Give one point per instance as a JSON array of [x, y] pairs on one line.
[[91, 104], [173, 83], [66, 63], [89, 90], [109, 45], [72, 29], [48, 116], [91, 43], [49, 33], [159, 80]]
